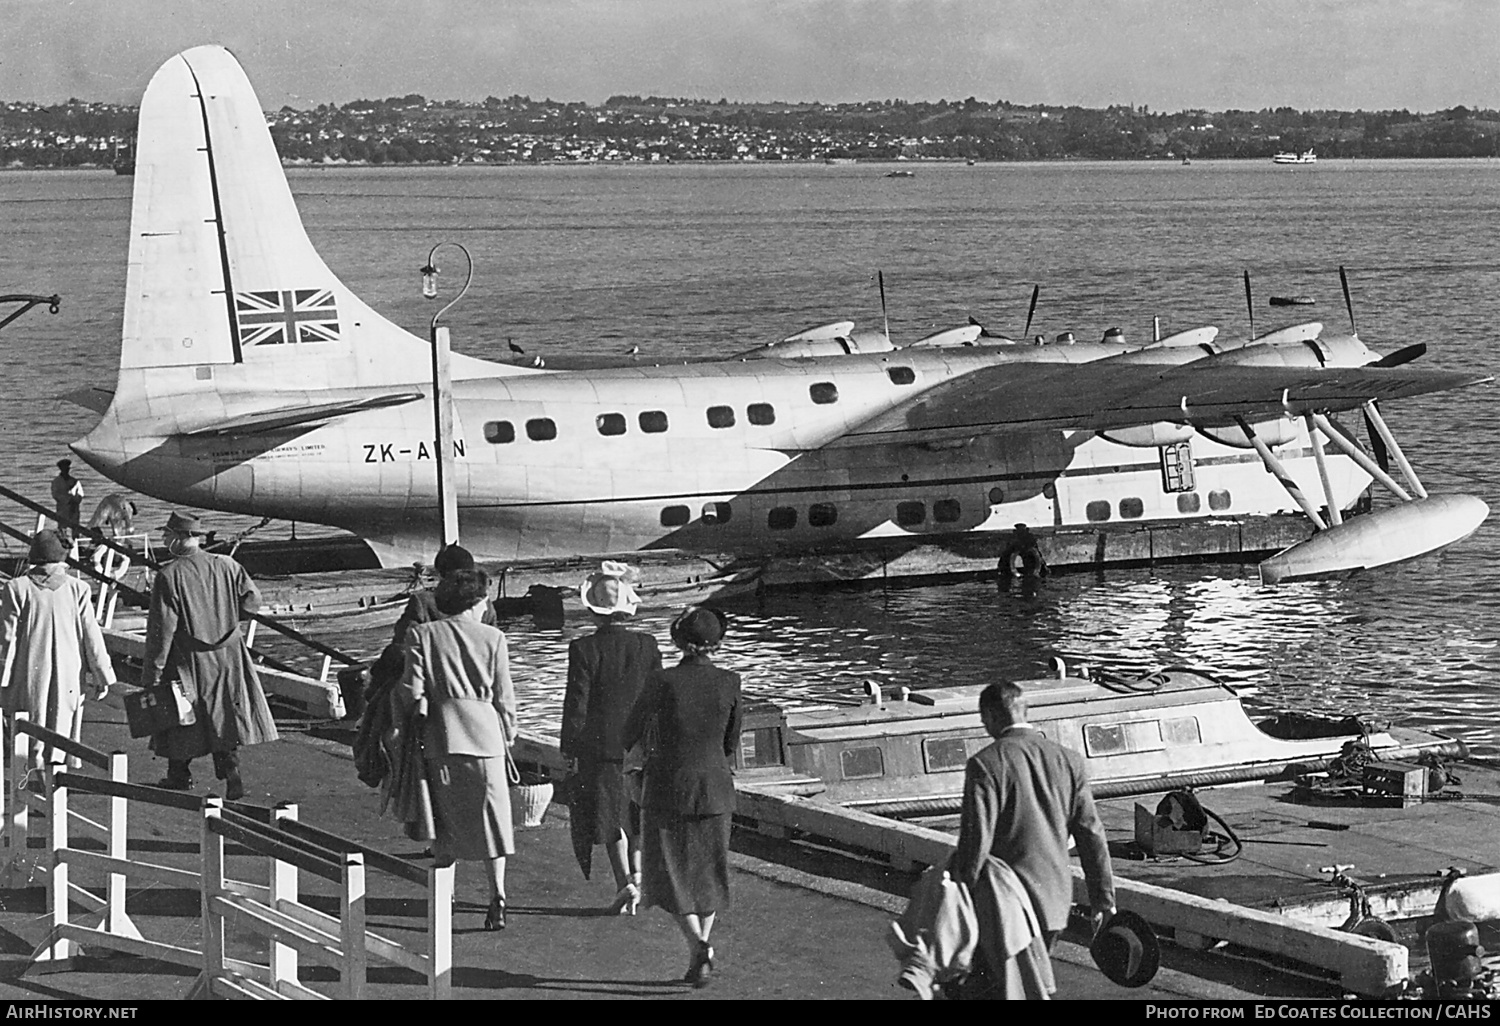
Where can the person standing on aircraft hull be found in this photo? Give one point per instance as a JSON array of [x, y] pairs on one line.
[[67, 497], [193, 635]]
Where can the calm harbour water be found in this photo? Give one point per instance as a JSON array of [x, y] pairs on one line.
[[692, 261]]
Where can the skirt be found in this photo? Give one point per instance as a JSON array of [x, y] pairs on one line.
[[471, 808], [685, 862]]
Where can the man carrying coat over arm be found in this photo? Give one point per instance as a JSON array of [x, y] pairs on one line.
[[1023, 796], [193, 636]]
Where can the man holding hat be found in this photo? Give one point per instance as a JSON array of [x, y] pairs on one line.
[[1023, 796], [193, 634]]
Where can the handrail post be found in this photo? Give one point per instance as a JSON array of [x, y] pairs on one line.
[[61, 948], [17, 811], [211, 887], [283, 878], [352, 915], [115, 920], [440, 932]]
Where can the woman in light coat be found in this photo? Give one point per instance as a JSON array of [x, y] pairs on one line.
[[462, 668], [48, 638]]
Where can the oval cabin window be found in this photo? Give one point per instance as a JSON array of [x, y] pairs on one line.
[[720, 417], [824, 392], [782, 518], [610, 423], [946, 511], [717, 512], [499, 432], [1131, 509], [901, 375], [653, 422], [761, 413], [1189, 502], [675, 516], [822, 514], [1218, 499], [1097, 510], [541, 429]]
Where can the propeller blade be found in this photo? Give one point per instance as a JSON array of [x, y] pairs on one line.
[[1377, 444], [1249, 303], [1406, 354], [1036, 290], [880, 277], [1348, 303]]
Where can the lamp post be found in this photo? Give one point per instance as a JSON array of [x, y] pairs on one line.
[[442, 395]]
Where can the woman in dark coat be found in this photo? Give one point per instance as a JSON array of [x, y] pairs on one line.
[[606, 672], [687, 801], [462, 668]]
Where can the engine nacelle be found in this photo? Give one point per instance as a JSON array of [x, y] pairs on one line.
[[1272, 432], [1149, 436]]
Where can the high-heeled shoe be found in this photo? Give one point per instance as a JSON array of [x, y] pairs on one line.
[[701, 968], [627, 900], [494, 917]]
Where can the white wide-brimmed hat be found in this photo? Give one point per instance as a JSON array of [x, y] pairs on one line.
[[609, 590]]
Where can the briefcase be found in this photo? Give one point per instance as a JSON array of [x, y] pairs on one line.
[[152, 710]]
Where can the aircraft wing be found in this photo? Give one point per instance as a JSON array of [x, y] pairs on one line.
[[1016, 397], [281, 418]]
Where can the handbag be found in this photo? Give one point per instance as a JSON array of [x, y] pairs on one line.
[[155, 709]]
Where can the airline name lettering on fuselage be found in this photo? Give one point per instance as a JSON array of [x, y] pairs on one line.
[[391, 452]]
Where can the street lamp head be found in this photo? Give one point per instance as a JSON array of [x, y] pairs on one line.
[[430, 272], [429, 282]]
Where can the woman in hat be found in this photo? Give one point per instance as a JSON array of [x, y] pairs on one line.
[[607, 671], [687, 801], [47, 617], [461, 666]]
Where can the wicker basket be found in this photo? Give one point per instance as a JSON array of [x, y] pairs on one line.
[[530, 801]]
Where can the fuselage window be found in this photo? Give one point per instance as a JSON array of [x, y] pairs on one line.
[[1132, 508], [1218, 499], [610, 423], [721, 416], [541, 429], [901, 375], [822, 514], [717, 512], [946, 511], [1189, 502], [761, 414], [653, 422], [910, 514], [782, 518], [824, 392], [1049, 490], [997, 496], [499, 431], [1097, 510], [675, 516]]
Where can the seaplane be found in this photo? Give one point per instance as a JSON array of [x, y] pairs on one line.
[[252, 380]]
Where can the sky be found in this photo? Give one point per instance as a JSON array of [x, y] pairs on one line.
[[1168, 55]]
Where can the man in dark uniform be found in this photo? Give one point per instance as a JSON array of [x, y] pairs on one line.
[[193, 636], [1023, 556], [1023, 796], [67, 498]]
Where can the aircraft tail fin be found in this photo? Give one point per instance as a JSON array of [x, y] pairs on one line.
[[221, 269]]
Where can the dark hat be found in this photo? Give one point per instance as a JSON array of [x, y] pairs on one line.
[[1126, 950], [185, 524], [451, 559], [699, 625], [64, 464], [47, 547]]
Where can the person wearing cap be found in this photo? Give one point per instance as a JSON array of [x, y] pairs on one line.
[[47, 622], [422, 606], [67, 498], [1023, 796], [461, 668], [687, 797], [193, 636], [607, 671]]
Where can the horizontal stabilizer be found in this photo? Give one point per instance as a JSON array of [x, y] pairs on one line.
[[90, 398], [266, 421]]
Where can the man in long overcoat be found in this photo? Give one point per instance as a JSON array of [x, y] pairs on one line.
[[193, 635]]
